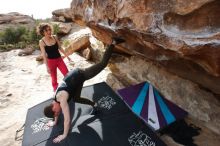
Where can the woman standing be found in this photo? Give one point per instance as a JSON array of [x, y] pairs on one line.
[[50, 47]]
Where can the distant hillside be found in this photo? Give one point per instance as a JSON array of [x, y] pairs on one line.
[[15, 19]]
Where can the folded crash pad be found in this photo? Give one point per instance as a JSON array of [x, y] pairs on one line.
[[147, 102]]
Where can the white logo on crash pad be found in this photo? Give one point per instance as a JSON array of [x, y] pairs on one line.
[[140, 139], [40, 125], [106, 102]]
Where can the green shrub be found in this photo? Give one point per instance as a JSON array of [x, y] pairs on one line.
[[3, 47], [20, 45], [56, 29], [12, 36], [33, 36], [66, 43], [8, 35], [20, 37], [7, 47], [1, 34]]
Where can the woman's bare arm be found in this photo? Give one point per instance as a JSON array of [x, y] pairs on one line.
[[62, 98], [55, 120]]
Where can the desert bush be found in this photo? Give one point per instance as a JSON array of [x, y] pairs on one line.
[[32, 36], [18, 38], [21, 37], [13, 36], [56, 29], [66, 43]]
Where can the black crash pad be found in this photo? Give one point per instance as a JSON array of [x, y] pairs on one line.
[[115, 125]]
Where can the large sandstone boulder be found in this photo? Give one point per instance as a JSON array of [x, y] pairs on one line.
[[181, 35], [78, 44], [63, 15], [64, 28], [15, 18]]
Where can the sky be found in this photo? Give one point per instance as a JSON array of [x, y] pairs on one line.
[[40, 9]]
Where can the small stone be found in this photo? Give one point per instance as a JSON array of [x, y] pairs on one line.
[[10, 94]]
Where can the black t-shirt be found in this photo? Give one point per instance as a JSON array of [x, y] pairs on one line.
[[71, 83]]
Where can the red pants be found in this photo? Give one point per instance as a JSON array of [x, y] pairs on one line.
[[53, 64]]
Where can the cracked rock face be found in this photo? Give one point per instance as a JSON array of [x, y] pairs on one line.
[[181, 35]]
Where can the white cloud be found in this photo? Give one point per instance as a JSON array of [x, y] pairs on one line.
[[37, 8]]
